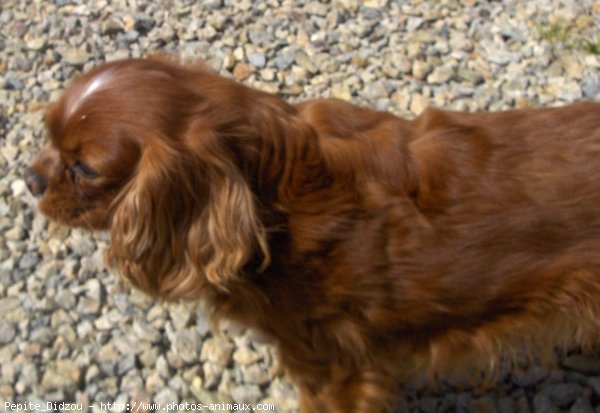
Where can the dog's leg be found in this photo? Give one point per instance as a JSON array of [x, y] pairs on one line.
[[356, 391]]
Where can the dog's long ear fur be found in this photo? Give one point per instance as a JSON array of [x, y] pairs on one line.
[[186, 219]]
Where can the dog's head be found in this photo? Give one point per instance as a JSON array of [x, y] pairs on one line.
[[138, 147]]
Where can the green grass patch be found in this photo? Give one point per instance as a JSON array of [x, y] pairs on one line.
[[563, 36]]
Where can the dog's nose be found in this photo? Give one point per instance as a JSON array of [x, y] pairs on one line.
[[36, 183]]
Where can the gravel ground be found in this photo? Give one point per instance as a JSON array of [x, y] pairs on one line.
[[70, 332]]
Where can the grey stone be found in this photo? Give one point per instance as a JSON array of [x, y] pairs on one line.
[[180, 314], [441, 74], [304, 61], [61, 374], [420, 69], [217, 351], [154, 383], [428, 404], [81, 243], [12, 82], [257, 59], [482, 405], [12, 310], [590, 88], [186, 344], [37, 43], [202, 322], [582, 364], [166, 397], [29, 260], [143, 23], [244, 355], [91, 302], [499, 55], [506, 405], [316, 8], [542, 404], [125, 364], [149, 357], [255, 374], [210, 397], [285, 58], [112, 27], [16, 233], [131, 381], [260, 35], [65, 299], [582, 405], [522, 405], [29, 375], [130, 37], [377, 90], [530, 377], [146, 332], [212, 374], [126, 344], [156, 313], [248, 394], [594, 383], [7, 332], [463, 400], [75, 57], [562, 394]]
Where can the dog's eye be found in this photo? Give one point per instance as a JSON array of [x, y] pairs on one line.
[[83, 170]]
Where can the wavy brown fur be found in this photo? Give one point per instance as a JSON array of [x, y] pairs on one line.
[[368, 247]]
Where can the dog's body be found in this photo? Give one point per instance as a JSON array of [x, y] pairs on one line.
[[368, 247]]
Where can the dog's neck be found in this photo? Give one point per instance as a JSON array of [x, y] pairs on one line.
[[277, 151]]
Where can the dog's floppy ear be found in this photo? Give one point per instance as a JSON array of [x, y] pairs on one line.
[[229, 231], [184, 220]]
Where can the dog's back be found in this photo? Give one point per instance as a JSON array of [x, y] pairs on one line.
[[488, 227]]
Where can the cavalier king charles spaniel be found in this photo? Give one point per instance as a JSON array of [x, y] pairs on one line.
[[368, 247]]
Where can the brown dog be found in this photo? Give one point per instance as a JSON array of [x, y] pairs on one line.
[[368, 247]]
